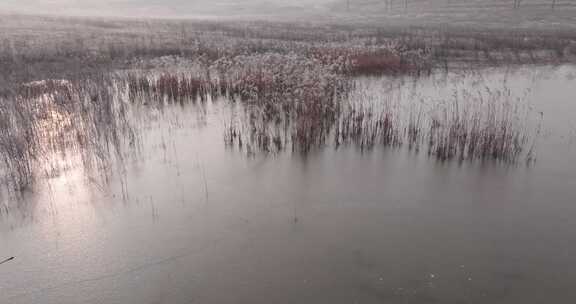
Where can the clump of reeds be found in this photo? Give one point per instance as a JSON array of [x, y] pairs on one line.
[[387, 58], [486, 126], [278, 90], [168, 87], [365, 127], [48, 118]]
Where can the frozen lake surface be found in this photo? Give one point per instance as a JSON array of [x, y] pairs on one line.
[[194, 222]]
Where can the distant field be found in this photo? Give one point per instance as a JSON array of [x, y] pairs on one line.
[[533, 14], [488, 13], [46, 47]]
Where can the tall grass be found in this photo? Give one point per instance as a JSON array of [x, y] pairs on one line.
[[56, 117], [480, 125], [474, 125]]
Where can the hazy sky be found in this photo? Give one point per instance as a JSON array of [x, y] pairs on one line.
[[152, 7]]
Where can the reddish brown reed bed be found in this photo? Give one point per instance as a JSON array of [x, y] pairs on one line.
[[284, 91], [489, 126], [168, 87], [365, 128], [479, 126], [390, 58], [278, 90], [295, 103], [290, 102]]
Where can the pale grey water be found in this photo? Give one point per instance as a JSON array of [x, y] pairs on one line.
[[205, 224]]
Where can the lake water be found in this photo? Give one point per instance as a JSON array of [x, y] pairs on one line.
[[191, 221]]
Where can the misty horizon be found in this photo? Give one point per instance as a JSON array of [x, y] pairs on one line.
[[156, 8], [540, 13]]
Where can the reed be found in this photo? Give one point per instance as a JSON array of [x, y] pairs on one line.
[[6, 260], [482, 125], [50, 118]]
